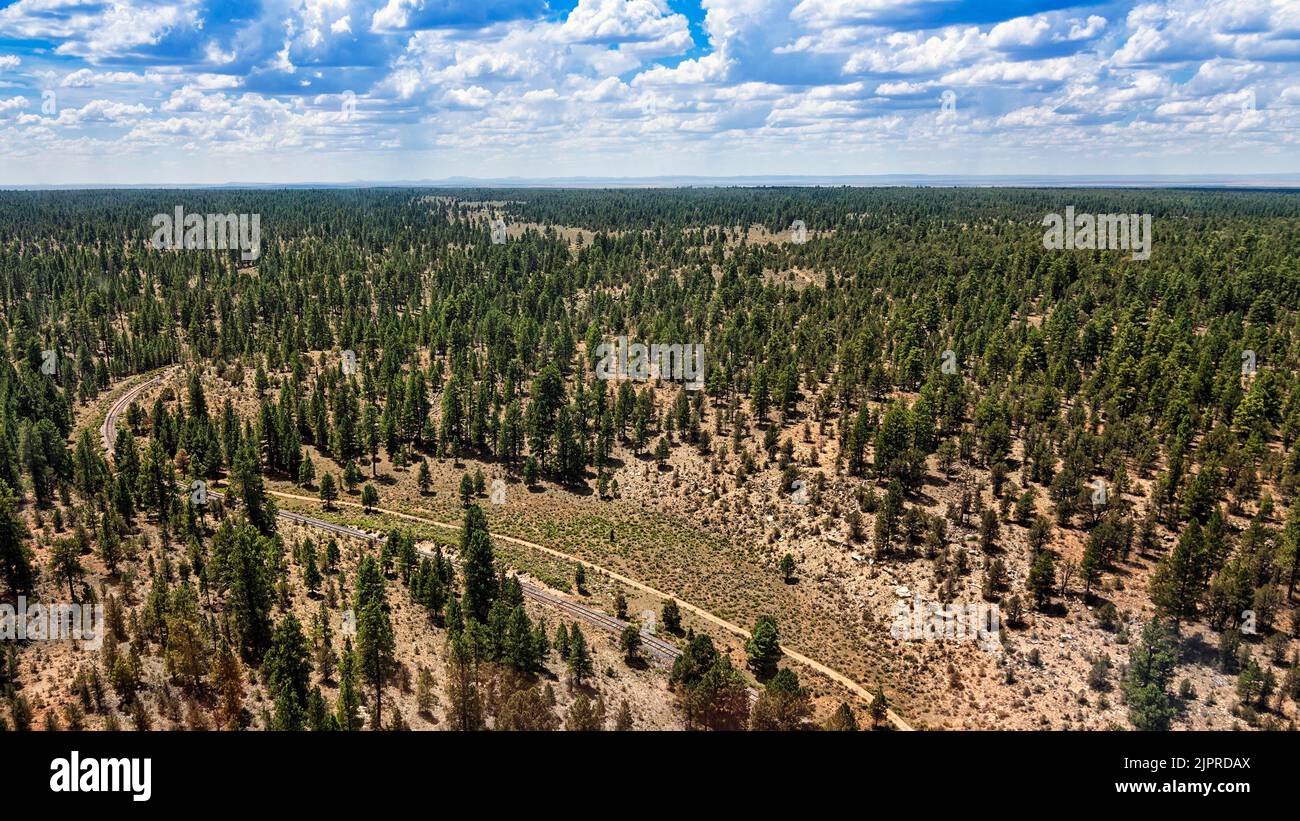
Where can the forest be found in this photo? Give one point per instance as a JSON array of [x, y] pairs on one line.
[[1111, 449]]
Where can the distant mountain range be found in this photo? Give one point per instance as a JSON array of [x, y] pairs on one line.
[[1280, 181]]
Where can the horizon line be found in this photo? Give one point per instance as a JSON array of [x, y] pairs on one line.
[[1264, 180]]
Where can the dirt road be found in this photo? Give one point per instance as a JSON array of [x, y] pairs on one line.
[[659, 649]]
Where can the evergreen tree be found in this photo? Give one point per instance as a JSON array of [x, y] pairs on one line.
[[763, 648], [375, 642], [1042, 578], [369, 498], [1178, 580], [288, 670], [842, 719], [241, 557], [477, 565], [246, 481], [348, 704], [328, 492], [1150, 669], [579, 658]]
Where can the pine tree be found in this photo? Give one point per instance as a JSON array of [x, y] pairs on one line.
[[630, 641], [1179, 579], [465, 708], [328, 492], [562, 641], [1042, 578], [323, 641], [477, 565], [240, 556], [879, 707], [88, 468], [425, 698], [842, 719], [763, 648], [318, 717], [65, 563], [579, 658], [582, 716], [311, 576], [246, 481], [306, 472], [288, 670], [347, 706], [375, 642], [369, 498], [230, 688], [671, 616], [783, 705], [1151, 667], [370, 426]]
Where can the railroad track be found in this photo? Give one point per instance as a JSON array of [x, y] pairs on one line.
[[108, 430], [658, 649]]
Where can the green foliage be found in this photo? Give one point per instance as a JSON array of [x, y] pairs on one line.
[[763, 648], [288, 669], [1151, 665]]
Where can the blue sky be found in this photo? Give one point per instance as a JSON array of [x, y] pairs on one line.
[[209, 91]]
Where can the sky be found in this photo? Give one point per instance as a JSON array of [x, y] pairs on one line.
[[293, 91]]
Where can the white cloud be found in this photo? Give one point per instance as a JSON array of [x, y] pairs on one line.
[[851, 82], [1022, 31], [12, 104], [1005, 72], [96, 31], [85, 78]]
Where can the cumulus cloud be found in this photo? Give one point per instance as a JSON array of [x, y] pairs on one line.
[[528, 82]]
